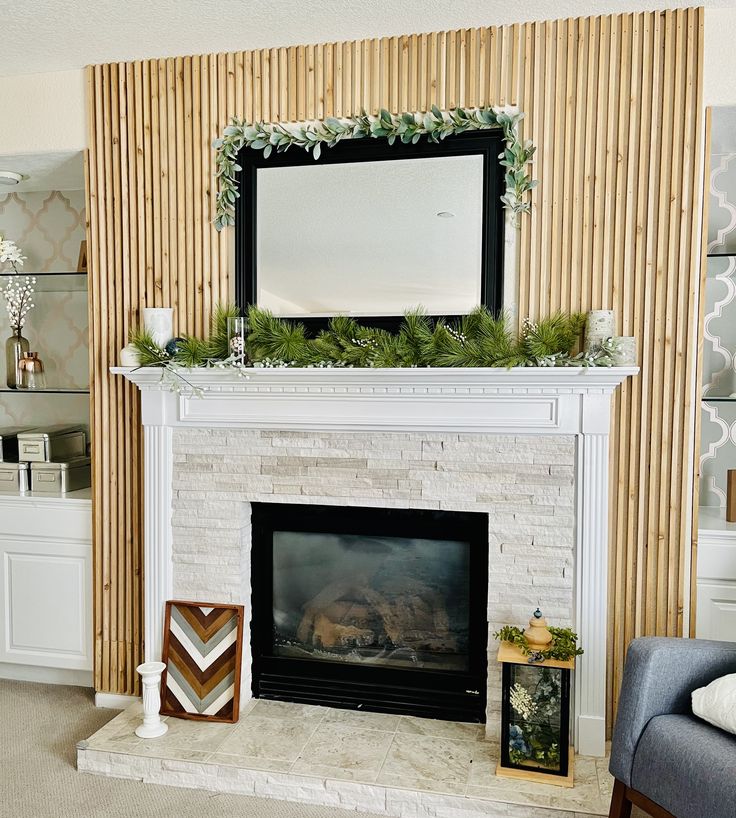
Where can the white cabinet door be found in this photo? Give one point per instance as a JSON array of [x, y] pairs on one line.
[[45, 583], [716, 610], [716, 578]]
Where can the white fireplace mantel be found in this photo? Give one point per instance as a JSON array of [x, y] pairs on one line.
[[523, 401]]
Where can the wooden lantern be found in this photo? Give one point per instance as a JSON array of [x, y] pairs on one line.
[[535, 719]]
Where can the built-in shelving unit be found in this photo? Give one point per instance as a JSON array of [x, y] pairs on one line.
[[46, 609], [715, 569]]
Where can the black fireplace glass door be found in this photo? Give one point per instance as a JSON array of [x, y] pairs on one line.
[[380, 609], [371, 600]]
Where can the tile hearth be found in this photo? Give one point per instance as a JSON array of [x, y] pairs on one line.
[[365, 762]]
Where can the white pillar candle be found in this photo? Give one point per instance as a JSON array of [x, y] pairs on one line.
[[152, 726], [624, 350], [599, 327], [600, 323], [159, 321]]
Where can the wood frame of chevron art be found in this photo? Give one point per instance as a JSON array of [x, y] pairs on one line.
[[203, 651]]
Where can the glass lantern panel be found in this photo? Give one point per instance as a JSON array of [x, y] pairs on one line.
[[535, 710]]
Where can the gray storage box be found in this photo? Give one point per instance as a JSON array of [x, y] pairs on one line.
[[59, 443], [59, 478], [14, 478], [9, 442]]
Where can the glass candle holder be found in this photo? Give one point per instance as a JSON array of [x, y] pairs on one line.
[[237, 334], [624, 350]]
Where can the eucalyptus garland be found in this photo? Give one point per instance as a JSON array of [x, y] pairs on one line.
[[479, 339], [435, 124]]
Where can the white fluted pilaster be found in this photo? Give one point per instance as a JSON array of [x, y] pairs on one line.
[[158, 577]]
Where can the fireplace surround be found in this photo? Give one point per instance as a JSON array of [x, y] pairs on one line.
[[527, 447]]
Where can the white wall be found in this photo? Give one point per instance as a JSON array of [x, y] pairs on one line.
[[48, 110], [43, 112], [719, 64]]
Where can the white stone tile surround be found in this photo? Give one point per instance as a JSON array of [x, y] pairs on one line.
[[525, 484], [517, 402]]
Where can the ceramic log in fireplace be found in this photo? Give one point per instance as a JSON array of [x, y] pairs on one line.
[[371, 608]]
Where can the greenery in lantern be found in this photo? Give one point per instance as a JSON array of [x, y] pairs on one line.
[[534, 737]]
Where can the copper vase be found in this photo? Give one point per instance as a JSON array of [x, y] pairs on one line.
[[31, 372]]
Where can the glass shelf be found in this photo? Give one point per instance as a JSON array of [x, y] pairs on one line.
[[720, 255], [51, 390], [718, 398], [54, 282], [47, 273]]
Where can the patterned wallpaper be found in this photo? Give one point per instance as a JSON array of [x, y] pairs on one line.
[[49, 227], [718, 442]]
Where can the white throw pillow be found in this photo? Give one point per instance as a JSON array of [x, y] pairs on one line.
[[716, 703]]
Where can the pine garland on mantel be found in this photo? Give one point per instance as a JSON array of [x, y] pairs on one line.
[[476, 340], [408, 127]]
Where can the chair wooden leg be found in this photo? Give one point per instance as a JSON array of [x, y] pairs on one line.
[[620, 804]]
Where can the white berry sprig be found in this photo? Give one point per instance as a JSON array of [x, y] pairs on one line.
[[18, 294]]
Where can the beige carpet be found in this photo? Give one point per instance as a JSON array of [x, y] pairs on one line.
[[39, 728]]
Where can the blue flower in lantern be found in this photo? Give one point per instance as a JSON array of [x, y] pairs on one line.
[[516, 740]]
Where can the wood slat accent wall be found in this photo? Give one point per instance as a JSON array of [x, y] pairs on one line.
[[614, 105]]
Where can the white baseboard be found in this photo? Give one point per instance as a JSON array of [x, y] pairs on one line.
[[46, 675], [591, 736], [114, 701]]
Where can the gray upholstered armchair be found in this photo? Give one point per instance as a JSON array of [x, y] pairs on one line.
[[664, 759]]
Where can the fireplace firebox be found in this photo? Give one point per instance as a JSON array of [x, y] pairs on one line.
[[371, 608]]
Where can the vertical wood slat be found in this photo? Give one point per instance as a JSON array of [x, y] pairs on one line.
[[612, 104]]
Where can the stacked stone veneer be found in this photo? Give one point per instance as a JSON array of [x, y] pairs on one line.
[[525, 484]]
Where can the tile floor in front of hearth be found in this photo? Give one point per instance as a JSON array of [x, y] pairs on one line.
[[370, 748]]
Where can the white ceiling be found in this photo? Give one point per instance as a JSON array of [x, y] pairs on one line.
[[63, 170], [56, 35]]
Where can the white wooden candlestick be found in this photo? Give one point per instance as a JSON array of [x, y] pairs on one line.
[[152, 726]]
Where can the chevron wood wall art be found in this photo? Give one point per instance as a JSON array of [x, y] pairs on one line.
[[203, 645]]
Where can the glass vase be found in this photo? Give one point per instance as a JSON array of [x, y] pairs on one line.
[[237, 337], [15, 347]]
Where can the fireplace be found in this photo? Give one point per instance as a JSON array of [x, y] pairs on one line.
[[371, 608], [526, 448]]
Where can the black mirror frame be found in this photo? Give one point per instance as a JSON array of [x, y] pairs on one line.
[[487, 143]]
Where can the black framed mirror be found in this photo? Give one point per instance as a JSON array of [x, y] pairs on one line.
[[371, 229]]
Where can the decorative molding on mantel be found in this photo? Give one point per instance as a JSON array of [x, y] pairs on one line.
[[535, 400], [523, 401]]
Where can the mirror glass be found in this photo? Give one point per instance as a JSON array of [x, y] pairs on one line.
[[370, 238]]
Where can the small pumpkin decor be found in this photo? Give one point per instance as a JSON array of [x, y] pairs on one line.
[[535, 713]]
